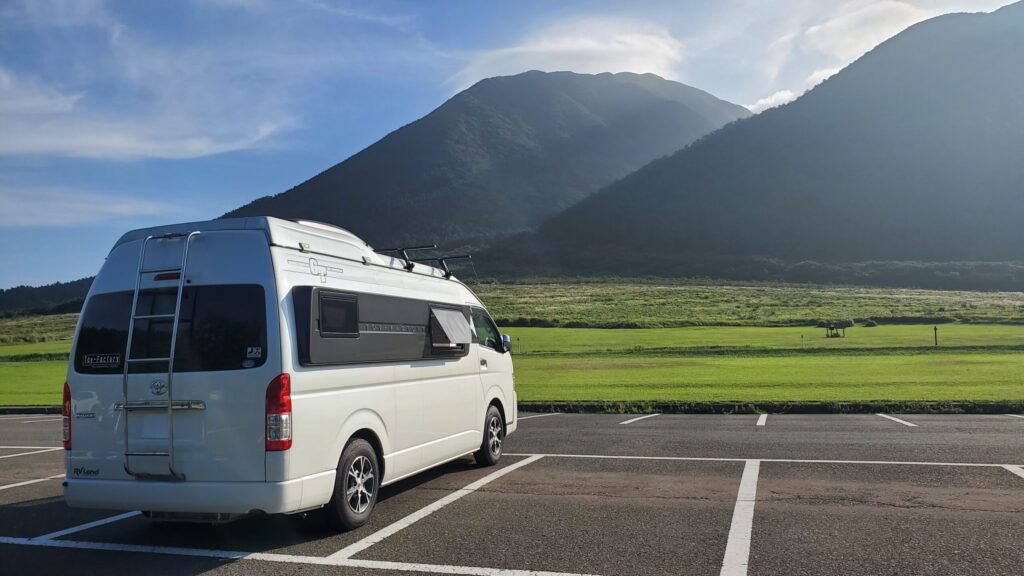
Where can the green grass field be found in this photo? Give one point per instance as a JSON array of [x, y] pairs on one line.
[[820, 377], [700, 342], [32, 329], [52, 347], [661, 303], [31, 383], [741, 339]]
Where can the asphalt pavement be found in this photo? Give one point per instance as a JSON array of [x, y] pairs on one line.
[[587, 494]]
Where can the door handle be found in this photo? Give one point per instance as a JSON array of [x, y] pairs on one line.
[[483, 363]]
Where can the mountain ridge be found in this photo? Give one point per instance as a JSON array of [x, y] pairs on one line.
[[500, 156], [909, 153]]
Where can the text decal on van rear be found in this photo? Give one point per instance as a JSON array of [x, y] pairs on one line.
[[83, 471], [101, 360]]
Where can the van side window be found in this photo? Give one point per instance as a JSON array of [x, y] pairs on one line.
[[339, 315], [449, 330], [486, 331]]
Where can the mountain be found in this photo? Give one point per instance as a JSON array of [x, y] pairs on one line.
[[502, 155], [911, 153], [58, 297]]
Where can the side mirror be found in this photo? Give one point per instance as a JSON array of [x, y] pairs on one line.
[[506, 342]]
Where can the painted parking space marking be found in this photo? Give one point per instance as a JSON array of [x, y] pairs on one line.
[[539, 415], [30, 453], [1016, 415], [631, 420], [87, 526], [357, 547], [895, 419], [773, 460], [762, 419], [1018, 470], [737, 547], [285, 558], [46, 420], [27, 482], [28, 447]]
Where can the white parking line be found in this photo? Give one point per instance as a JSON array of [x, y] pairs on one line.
[[46, 420], [28, 447], [775, 460], [353, 549], [762, 419], [539, 415], [81, 527], [1019, 471], [284, 558], [1016, 415], [27, 482], [640, 418], [895, 419], [737, 547], [30, 453]]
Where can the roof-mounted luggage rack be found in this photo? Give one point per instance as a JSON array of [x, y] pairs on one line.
[[443, 262], [403, 253]]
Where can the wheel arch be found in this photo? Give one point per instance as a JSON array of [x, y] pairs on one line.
[[369, 426]]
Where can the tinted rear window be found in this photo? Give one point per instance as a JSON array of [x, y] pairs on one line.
[[221, 327]]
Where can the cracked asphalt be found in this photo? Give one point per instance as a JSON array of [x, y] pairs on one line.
[[825, 504]]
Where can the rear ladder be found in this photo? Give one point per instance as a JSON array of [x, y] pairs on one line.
[[170, 405]]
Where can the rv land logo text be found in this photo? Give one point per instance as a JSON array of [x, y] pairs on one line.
[[83, 471]]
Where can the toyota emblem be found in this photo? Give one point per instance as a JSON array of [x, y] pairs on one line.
[[158, 387]]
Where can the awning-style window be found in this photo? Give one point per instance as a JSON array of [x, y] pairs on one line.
[[453, 326]]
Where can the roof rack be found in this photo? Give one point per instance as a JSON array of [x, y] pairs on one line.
[[403, 253], [443, 261]]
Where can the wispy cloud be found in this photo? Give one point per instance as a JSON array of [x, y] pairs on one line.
[[108, 90], [62, 207], [587, 46]]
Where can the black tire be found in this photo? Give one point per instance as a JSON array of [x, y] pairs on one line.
[[358, 469], [494, 438]]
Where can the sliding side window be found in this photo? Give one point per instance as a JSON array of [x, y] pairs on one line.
[[449, 331]]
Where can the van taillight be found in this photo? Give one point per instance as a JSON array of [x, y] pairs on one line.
[[279, 413], [65, 411]]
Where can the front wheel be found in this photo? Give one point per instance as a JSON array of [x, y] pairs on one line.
[[355, 486], [494, 437]]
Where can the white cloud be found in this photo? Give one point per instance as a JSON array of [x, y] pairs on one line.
[[776, 99], [61, 207], [25, 96], [819, 76], [585, 46], [860, 25], [110, 90]]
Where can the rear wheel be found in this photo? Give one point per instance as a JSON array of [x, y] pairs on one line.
[[494, 437], [355, 486]]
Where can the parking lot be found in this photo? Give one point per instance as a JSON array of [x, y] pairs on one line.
[[596, 494]]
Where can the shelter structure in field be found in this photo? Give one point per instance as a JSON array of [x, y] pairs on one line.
[[835, 328]]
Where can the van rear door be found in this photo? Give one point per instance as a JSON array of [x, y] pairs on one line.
[[227, 352]]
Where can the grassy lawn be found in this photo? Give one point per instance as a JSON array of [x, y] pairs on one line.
[[31, 383], [741, 338], [633, 303], [693, 341], [31, 329], [52, 347], [819, 377]]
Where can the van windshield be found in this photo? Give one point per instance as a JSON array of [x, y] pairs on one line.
[[221, 327]]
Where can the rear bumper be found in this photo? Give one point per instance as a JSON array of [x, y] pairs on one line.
[[201, 497]]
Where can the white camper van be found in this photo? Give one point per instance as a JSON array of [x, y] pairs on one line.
[[253, 365]]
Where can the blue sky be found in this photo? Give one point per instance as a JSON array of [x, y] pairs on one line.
[[116, 115]]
